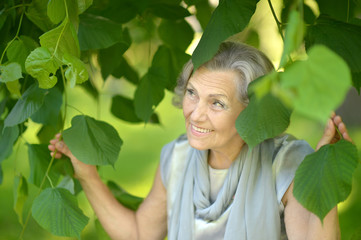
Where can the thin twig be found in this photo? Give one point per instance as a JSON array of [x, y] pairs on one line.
[[276, 19]]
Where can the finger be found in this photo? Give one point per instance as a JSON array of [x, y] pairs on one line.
[[58, 135], [337, 120], [57, 155], [51, 148], [63, 148], [53, 141], [328, 134]]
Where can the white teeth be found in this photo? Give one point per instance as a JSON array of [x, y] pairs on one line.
[[202, 130]]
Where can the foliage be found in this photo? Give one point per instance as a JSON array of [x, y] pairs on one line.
[[49, 46]]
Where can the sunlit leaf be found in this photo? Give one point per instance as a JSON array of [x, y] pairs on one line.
[[230, 17], [83, 5], [1, 174], [324, 178], [321, 83], [36, 13], [100, 143], [49, 112], [293, 37], [63, 39], [204, 12], [8, 136], [262, 119], [178, 34], [39, 159], [345, 41], [20, 196], [56, 210], [41, 65], [31, 101], [96, 32], [14, 87], [56, 10], [10, 72], [126, 199], [76, 72], [19, 50]]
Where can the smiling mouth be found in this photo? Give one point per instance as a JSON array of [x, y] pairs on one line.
[[201, 130]]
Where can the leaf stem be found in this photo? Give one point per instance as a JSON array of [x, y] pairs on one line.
[[71, 106], [19, 5], [12, 40], [276, 19]]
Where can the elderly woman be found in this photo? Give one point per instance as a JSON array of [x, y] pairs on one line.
[[209, 184]]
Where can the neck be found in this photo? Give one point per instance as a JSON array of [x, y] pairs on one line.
[[221, 159]]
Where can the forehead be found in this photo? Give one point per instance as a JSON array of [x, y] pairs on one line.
[[215, 81]]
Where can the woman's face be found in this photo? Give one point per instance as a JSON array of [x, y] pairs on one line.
[[210, 108]]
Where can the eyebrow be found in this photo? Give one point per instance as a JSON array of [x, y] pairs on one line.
[[211, 95]]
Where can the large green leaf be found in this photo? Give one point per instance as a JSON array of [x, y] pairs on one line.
[[178, 34], [36, 13], [1, 174], [31, 102], [49, 112], [341, 10], [343, 38], [20, 195], [324, 178], [10, 72], [8, 136], [20, 49], [41, 65], [39, 159], [126, 199], [63, 39], [76, 72], [229, 18], [204, 12], [56, 11], [56, 210], [320, 83], [83, 5], [121, 11], [96, 32], [293, 37], [100, 143], [123, 108], [262, 119], [14, 87]]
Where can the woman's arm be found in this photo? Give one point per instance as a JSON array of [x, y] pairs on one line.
[[301, 223], [148, 222]]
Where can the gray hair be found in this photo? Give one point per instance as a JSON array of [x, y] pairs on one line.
[[248, 61]]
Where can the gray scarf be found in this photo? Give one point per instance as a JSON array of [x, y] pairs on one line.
[[248, 193]]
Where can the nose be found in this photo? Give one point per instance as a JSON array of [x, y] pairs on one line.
[[199, 112]]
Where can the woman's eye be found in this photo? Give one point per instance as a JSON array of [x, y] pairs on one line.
[[190, 92], [219, 104]]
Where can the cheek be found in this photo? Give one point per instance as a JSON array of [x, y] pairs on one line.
[[186, 108]]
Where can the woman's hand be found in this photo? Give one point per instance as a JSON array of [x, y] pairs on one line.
[[82, 171], [331, 135]]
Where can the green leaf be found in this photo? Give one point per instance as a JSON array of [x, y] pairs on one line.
[[100, 143], [39, 159], [356, 234], [126, 199], [229, 18], [56, 210], [36, 13], [204, 12], [168, 11], [294, 35], [148, 95], [124, 69], [14, 87], [262, 119], [109, 59], [56, 11], [320, 83], [31, 102], [177, 34], [41, 65], [49, 112], [8, 136], [1, 175], [343, 39], [19, 50], [76, 72], [20, 196], [96, 32], [83, 5], [123, 108], [341, 10], [63, 39], [324, 178], [67, 183], [10, 72], [121, 11]]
